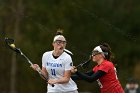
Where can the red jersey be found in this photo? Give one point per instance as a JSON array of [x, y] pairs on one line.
[[108, 83]]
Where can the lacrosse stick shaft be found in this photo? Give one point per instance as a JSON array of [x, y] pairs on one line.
[[27, 59], [37, 69], [81, 64]]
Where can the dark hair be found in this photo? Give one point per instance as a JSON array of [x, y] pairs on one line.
[[107, 51], [59, 32], [132, 81]]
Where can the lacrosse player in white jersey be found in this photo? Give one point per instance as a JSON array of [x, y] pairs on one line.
[[56, 65]]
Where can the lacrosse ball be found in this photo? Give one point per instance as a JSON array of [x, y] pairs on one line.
[[12, 45]]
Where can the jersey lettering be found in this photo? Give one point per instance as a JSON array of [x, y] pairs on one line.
[[54, 64], [116, 73], [99, 83]]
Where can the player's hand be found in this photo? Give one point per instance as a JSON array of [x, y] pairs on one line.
[[73, 69], [35, 66], [52, 81]]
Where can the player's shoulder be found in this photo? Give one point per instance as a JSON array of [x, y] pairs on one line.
[[66, 54], [106, 62], [47, 53]]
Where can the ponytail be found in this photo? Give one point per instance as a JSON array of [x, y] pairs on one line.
[[107, 51], [59, 32]]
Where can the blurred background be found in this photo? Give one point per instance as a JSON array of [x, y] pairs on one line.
[[86, 24]]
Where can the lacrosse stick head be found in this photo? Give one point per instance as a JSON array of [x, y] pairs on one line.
[[10, 43]]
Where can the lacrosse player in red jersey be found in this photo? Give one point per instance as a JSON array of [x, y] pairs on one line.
[[104, 72]]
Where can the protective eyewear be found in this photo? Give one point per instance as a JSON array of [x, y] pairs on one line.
[[94, 53], [60, 42]]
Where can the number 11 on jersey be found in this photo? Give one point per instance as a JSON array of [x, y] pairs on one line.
[[53, 72]]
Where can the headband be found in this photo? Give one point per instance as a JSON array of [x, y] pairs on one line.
[[59, 37]]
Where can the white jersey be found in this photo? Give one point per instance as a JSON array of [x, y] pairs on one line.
[[56, 68]]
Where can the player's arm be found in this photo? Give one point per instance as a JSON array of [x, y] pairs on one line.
[[44, 72], [67, 72], [64, 79], [76, 77], [91, 78]]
